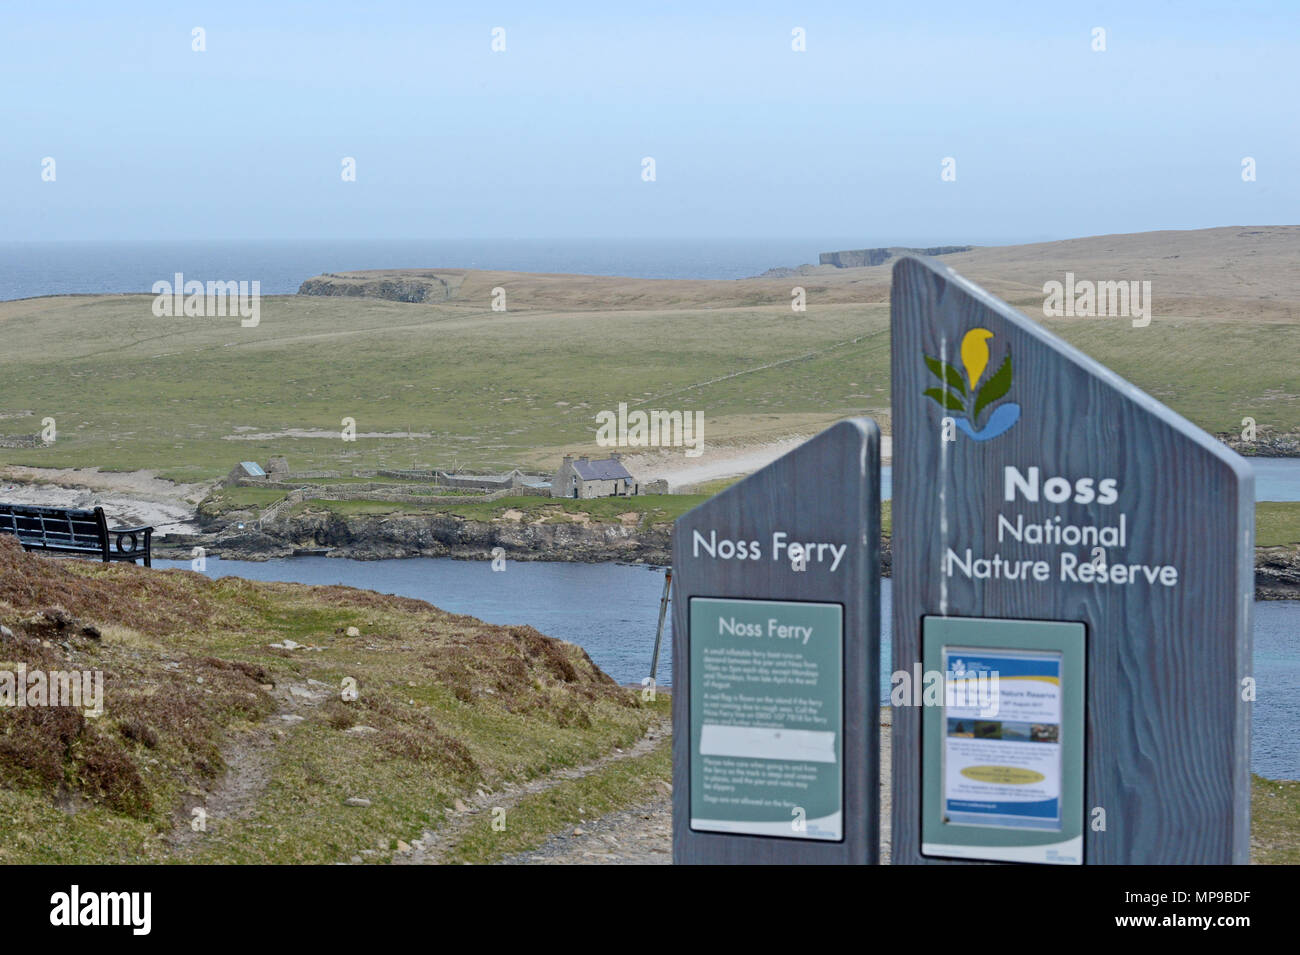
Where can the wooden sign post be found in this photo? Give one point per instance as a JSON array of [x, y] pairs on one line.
[[776, 643], [1075, 561]]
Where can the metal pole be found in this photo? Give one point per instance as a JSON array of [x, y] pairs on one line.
[[659, 634]]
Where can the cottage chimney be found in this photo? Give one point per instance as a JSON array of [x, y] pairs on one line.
[[616, 457], [568, 459], [582, 460]]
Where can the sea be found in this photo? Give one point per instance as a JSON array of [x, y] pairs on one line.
[[29, 269]]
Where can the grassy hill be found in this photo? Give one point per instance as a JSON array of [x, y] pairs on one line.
[[129, 390], [492, 389], [208, 704]]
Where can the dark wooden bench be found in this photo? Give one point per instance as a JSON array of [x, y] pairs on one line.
[[66, 530]]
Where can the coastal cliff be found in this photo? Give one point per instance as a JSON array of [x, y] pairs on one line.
[[382, 537], [862, 258], [415, 286]]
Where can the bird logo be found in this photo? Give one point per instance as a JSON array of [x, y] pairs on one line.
[[972, 393], [975, 353]]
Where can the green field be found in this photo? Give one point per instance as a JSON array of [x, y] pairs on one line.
[[1277, 523], [131, 391]]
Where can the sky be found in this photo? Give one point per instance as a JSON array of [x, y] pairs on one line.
[[246, 139]]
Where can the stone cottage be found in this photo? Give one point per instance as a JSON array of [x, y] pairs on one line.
[[245, 471], [583, 478]]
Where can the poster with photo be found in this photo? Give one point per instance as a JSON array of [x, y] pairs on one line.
[[1002, 742]]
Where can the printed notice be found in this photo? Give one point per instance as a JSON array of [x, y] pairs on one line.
[[766, 707], [1002, 763]]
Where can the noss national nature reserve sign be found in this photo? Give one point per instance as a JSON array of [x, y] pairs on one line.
[[1053, 522]]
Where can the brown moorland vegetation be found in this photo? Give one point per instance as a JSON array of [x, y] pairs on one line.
[[219, 686]]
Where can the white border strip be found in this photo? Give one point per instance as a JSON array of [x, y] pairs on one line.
[[1069, 852]]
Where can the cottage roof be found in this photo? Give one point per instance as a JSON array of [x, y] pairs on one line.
[[604, 470], [252, 469]]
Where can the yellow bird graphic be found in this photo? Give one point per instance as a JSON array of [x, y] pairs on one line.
[[975, 353]]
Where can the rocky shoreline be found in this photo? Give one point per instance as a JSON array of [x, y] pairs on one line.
[[1277, 569], [1268, 444], [425, 535], [1277, 573]]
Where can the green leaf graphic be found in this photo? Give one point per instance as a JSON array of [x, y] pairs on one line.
[[946, 399], [946, 372], [994, 388]]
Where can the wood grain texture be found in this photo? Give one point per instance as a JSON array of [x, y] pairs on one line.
[[1167, 749], [826, 490]]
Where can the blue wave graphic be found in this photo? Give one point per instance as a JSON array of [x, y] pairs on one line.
[[1000, 421]]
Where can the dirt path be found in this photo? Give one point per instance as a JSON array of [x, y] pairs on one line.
[[643, 835], [249, 759], [712, 465], [638, 835], [680, 471], [430, 848], [128, 498]]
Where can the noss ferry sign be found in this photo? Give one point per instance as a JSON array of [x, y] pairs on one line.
[[1060, 535], [776, 647]]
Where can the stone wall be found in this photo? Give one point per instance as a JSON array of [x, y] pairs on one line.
[[387, 494], [21, 441], [399, 475]]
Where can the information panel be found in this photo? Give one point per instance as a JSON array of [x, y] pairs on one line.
[[1003, 754], [776, 647], [767, 718]]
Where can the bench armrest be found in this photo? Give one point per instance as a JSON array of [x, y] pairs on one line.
[[130, 530], [137, 548]]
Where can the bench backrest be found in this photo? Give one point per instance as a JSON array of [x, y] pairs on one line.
[[55, 526]]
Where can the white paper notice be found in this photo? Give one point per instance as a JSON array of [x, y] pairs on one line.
[[1002, 748]]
